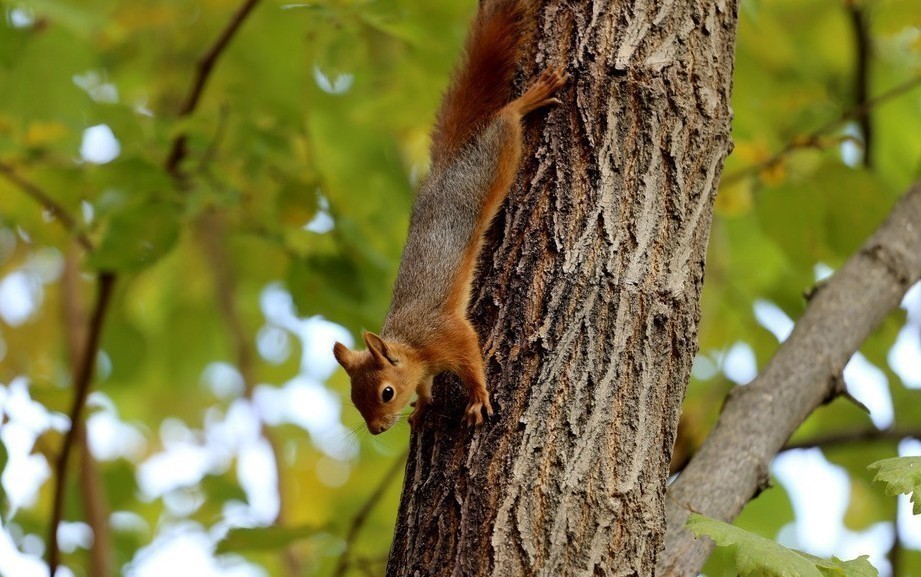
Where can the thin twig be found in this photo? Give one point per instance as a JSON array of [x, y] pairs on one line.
[[872, 435], [895, 552], [83, 375], [813, 139], [106, 280], [202, 73], [59, 212], [858, 436], [361, 516], [95, 502], [96, 508], [370, 566], [863, 54]]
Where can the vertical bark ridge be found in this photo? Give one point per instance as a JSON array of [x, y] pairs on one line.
[[587, 304]]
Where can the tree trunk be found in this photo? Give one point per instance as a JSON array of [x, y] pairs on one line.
[[587, 305]]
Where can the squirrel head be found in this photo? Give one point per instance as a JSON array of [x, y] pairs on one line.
[[383, 377]]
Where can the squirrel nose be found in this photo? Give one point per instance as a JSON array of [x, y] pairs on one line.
[[378, 429]]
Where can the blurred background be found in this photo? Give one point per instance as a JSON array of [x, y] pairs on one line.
[[251, 199]]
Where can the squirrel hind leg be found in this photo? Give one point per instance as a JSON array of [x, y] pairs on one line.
[[540, 93]]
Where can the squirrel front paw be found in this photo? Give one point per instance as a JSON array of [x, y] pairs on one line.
[[418, 408], [478, 402]]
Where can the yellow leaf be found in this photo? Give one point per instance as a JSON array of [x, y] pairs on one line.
[[42, 133], [300, 147], [774, 173], [751, 151], [735, 199]]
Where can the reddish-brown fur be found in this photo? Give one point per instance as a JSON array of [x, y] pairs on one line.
[[483, 79], [477, 140], [535, 97], [458, 345]]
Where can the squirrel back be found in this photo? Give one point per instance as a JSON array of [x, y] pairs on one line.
[[482, 82], [476, 150]]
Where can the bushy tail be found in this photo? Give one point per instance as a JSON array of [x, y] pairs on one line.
[[482, 82]]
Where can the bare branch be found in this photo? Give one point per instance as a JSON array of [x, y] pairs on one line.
[[895, 552], [83, 371], [48, 203], [859, 436], [863, 52], [83, 375], [361, 516], [830, 440], [95, 504], [202, 73], [813, 139], [758, 419], [96, 509]]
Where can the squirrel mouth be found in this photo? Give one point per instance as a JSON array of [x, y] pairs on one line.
[[378, 428]]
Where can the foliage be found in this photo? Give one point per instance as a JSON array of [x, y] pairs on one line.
[[247, 539], [292, 201], [901, 475], [760, 557]]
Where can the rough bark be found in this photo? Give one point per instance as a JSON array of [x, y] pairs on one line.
[[733, 464], [587, 305]]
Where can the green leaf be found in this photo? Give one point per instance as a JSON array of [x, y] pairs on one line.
[[902, 475], [59, 99], [263, 538], [337, 286], [76, 17], [137, 237], [762, 557]]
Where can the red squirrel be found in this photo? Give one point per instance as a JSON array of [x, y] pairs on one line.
[[476, 151]]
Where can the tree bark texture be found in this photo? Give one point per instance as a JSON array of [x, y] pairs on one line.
[[586, 303], [733, 464]]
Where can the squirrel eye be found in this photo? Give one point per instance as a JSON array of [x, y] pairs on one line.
[[387, 394]]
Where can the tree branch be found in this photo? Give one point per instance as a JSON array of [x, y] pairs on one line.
[[758, 419], [859, 436], [203, 71], [813, 139], [895, 552], [863, 50], [84, 370], [40, 196], [95, 504], [83, 375], [361, 516]]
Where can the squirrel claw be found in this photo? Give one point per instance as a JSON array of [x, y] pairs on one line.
[[416, 416], [474, 413], [540, 93]]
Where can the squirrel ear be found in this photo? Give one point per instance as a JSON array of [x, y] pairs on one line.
[[344, 355], [378, 347]]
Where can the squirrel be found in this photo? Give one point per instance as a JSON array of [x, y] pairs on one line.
[[476, 152]]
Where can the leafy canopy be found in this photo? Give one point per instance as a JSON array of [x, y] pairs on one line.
[[302, 157]]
